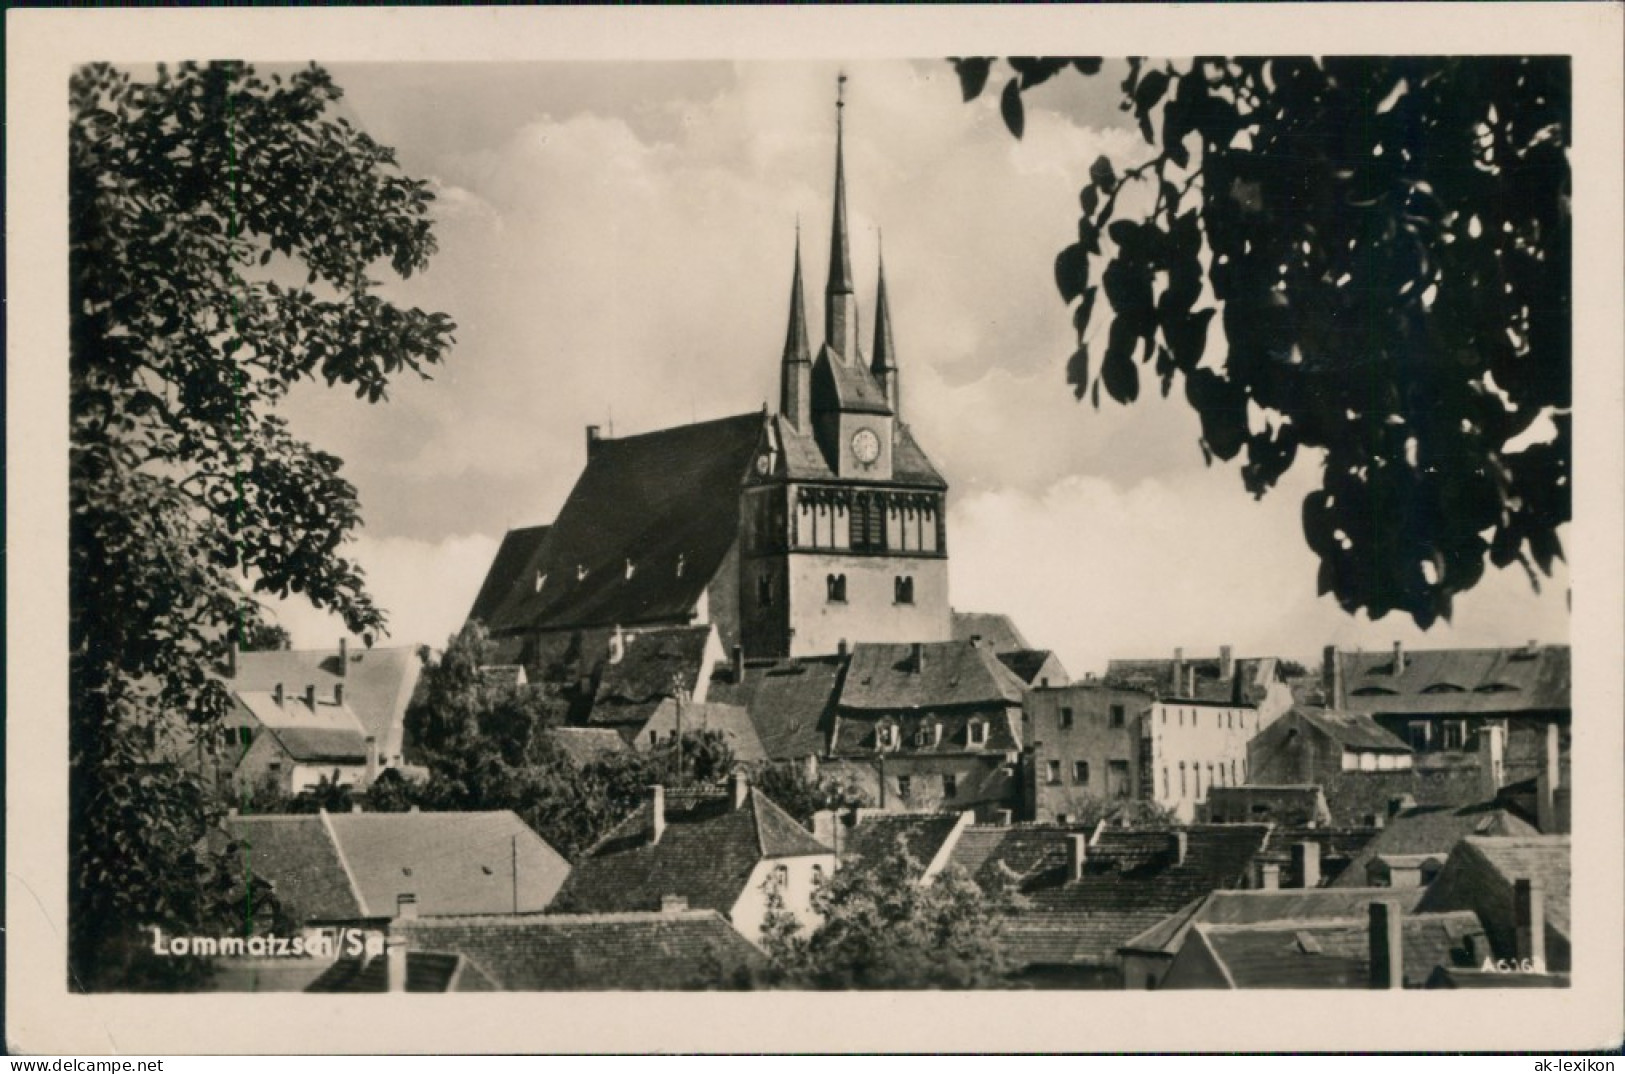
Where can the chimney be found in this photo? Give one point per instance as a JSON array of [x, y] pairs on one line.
[[739, 788], [1003, 817], [372, 760], [1306, 863], [1077, 855], [310, 695], [739, 663], [1269, 876], [917, 657], [825, 824], [276, 693], [231, 659], [1181, 846], [1331, 679], [1491, 760], [657, 811], [1399, 804], [1179, 670], [673, 904], [338, 693], [1529, 902], [344, 656], [1190, 677], [592, 439], [1387, 946], [1399, 659], [840, 648], [1227, 663], [1546, 781], [406, 909]]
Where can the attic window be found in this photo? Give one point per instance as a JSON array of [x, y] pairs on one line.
[[406, 870], [680, 566], [631, 569], [1443, 688], [976, 733], [1374, 691], [1495, 688], [541, 580], [581, 572]]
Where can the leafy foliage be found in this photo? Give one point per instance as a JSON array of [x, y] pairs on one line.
[[880, 928], [222, 231], [800, 795], [1389, 241]]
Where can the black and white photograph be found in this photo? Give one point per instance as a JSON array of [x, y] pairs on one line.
[[1045, 523]]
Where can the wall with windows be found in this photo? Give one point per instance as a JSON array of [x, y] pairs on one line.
[[925, 784], [795, 878], [1194, 745], [865, 598], [1084, 740]]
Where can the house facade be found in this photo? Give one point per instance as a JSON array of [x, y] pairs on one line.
[[1189, 746], [1084, 744]]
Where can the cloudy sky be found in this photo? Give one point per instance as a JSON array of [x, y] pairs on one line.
[[615, 246]]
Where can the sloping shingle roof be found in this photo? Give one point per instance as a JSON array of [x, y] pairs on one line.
[[1027, 664], [883, 677], [662, 500], [706, 855], [1355, 730], [838, 384], [321, 745], [791, 704], [584, 745], [687, 950], [995, 629], [654, 664], [922, 835], [298, 858], [731, 721], [519, 547], [378, 683], [1258, 907], [1432, 831], [1448, 681], [804, 459], [1532, 856], [1337, 954]]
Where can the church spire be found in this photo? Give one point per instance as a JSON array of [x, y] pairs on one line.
[[841, 304], [795, 388], [884, 365]]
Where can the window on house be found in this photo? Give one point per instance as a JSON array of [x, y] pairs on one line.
[[654, 738], [904, 589], [817, 875], [1052, 772], [1066, 716], [1453, 735], [764, 591], [781, 876], [1419, 734], [976, 734], [835, 588], [1080, 773], [1117, 779], [904, 785], [950, 785], [886, 737], [868, 523], [1167, 790], [1118, 717]]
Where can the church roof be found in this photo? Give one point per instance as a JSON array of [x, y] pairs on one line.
[[518, 548], [804, 461], [641, 535], [838, 384]]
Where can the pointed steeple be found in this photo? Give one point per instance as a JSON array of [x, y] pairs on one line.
[[840, 302], [795, 388], [884, 364]]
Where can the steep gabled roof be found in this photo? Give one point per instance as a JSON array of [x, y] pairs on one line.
[[841, 385], [298, 857], [1027, 664], [1499, 862], [1336, 953], [884, 677], [922, 835], [519, 547], [1260, 907], [1433, 831], [654, 663], [1451, 681], [1355, 730], [584, 745], [790, 703], [706, 854], [666, 503], [378, 683], [686, 950], [994, 629], [730, 721]]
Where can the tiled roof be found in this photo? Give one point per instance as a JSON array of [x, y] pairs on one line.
[[687, 950], [586, 744], [706, 855], [1449, 681], [909, 463], [519, 547], [1027, 664], [1504, 860], [731, 721], [995, 629], [1158, 676], [1132, 880], [1432, 831], [791, 704], [1298, 804], [1355, 730], [666, 502], [883, 677], [426, 971], [841, 385], [344, 866], [1337, 953], [1338, 848], [654, 664], [804, 459], [858, 732], [922, 835], [377, 683], [1259, 907], [321, 745]]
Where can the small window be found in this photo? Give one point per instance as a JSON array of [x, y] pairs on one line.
[[904, 785], [781, 876], [835, 588], [950, 784], [886, 737], [904, 589], [817, 875], [1167, 790], [976, 734], [1453, 735], [764, 591], [654, 738], [1066, 716], [1052, 772], [1080, 773], [1118, 716], [1182, 788]]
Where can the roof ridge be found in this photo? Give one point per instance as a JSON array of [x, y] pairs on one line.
[[344, 862], [753, 414]]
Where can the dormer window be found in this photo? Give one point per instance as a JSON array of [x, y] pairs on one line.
[[886, 737], [541, 580], [976, 733], [631, 569], [581, 572], [680, 563]]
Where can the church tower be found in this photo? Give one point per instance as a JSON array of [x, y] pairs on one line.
[[842, 534]]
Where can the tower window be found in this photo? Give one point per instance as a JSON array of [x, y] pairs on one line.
[[904, 589], [835, 588], [868, 523]]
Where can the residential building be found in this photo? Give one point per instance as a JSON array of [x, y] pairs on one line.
[[331, 869], [674, 716], [787, 531], [1255, 681], [292, 743], [1513, 883], [1189, 746], [791, 703], [1084, 742], [1415, 841], [703, 851], [1084, 894], [866, 835], [1301, 805], [1148, 956], [1358, 764], [928, 726]]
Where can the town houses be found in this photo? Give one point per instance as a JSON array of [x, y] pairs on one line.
[[779, 580]]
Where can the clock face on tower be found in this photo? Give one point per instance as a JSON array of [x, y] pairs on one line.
[[866, 446]]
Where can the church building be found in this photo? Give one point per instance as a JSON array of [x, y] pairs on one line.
[[789, 532]]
